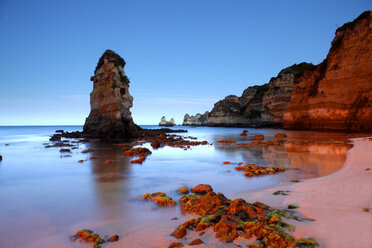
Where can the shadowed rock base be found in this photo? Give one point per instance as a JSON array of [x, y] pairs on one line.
[[107, 127]]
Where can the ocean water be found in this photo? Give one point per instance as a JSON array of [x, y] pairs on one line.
[[45, 196]]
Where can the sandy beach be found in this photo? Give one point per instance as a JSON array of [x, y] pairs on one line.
[[335, 201]]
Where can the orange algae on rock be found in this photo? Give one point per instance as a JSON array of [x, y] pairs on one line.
[[244, 133], [159, 198], [202, 188], [196, 242], [226, 141], [142, 152], [258, 137], [230, 219], [136, 151], [183, 190], [252, 170], [114, 238], [175, 245], [280, 136], [306, 243], [88, 236]]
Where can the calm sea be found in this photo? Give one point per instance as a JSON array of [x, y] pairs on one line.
[[45, 196]]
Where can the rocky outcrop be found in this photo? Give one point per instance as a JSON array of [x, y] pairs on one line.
[[196, 120], [258, 106], [110, 101], [337, 94], [164, 122]]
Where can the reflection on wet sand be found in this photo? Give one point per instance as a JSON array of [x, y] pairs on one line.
[[109, 179], [314, 156], [320, 158]]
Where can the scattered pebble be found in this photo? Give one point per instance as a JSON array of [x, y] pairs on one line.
[[114, 238], [175, 244], [292, 206], [281, 192], [196, 242]]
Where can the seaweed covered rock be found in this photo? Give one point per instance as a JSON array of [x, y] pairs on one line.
[[202, 189], [251, 170], [142, 152], [110, 101], [88, 236], [183, 190], [258, 137], [159, 198], [230, 219]]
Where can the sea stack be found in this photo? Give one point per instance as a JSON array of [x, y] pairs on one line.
[[110, 101], [164, 122], [337, 94]]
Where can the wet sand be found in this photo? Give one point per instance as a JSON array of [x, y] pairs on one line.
[[335, 201]]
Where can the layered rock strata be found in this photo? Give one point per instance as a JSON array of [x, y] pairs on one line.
[[110, 101], [337, 93], [258, 106]]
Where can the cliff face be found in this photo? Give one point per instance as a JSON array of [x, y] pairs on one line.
[[110, 101], [337, 94], [258, 106]]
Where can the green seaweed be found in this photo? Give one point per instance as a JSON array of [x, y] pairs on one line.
[[306, 243]]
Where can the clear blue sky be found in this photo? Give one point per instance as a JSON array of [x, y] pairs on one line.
[[182, 55]]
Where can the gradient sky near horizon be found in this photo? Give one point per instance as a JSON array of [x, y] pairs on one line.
[[182, 56]]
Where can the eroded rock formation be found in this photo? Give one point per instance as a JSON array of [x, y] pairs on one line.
[[337, 93], [258, 106], [164, 122], [110, 101], [196, 120]]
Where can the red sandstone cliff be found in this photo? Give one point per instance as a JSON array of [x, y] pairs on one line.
[[337, 94]]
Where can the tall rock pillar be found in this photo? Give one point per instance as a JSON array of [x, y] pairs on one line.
[[110, 101]]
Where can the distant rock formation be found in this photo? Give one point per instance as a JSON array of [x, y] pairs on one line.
[[337, 93], [258, 106], [164, 122], [196, 120], [110, 101]]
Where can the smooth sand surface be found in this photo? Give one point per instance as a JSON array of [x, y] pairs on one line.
[[335, 201]]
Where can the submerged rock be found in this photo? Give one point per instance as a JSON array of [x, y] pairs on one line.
[[183, 190], [202, 189], [258, 137], [110, 101], [88, 236], [159, 198]]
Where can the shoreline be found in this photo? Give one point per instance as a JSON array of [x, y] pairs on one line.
[[335, 201]]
